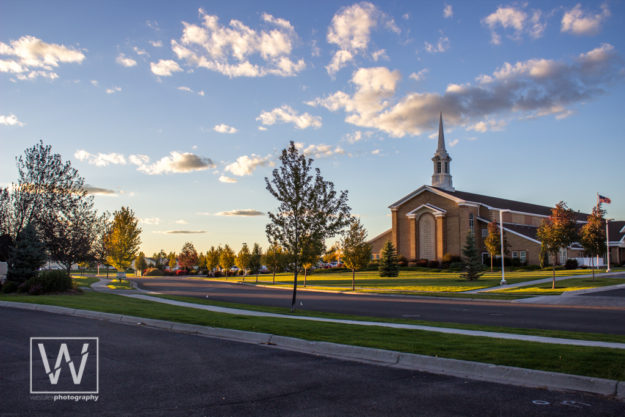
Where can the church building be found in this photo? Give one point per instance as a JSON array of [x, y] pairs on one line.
[[435, 219]]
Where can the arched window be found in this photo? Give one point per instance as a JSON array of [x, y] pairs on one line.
[[438, 167]]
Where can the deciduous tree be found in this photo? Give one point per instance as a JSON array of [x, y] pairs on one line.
[[274, 259], [242, 261], [356, 250], [493, 242], [188, 256], [557, 232], [140, 263], [309, 210], [226, 258], [212, 260], [256, 260], [124, 239], [592, 235]]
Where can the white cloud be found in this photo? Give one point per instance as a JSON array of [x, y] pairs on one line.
[[179, 232], [94, 83], [453, 143], [286, 114], [176, 162], [181, 221], [350, 30], [150, 220], [485, 126], [165, 67], [156, 44], [242, 213], [124, 61], [113, 90], [184, 88], [139, 51], [245, 165], [227, 180], [580, 22], [419, 76], [380, 54], [262, 128], [448, 11], [224, 128], [100, 159], [320, 151], [354, 137], [531, 88], [100, 191], [441, 46], [29, 57], [375, 152], [515, 20], [10, 120], [237, 50]]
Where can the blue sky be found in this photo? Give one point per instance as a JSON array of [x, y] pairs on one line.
[[179, 109]]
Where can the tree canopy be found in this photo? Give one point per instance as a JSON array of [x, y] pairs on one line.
[[389, 266], [356, 250], [123, 239], [592, 235], [309, 209], [188, 257], [557, 232]]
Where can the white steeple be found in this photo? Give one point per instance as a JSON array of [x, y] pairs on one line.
[[442, 162]]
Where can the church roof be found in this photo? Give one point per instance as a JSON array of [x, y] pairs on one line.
[[617, 231], [505, 204]]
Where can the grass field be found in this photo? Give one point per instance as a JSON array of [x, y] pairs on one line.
[[84, 281], [573, 284], [597, 362], [116, 285], [407, 282]]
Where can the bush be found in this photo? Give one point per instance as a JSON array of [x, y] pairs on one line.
[[153, 272], [9, 286], [456, 266], [423, 263], [182, 272], [433, 264], [402, 261], [49, 281], [571, 264]]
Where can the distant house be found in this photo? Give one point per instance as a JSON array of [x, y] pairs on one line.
[[435, 219]]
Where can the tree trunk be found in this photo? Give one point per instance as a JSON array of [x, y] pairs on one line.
[[294, 291], [305, 275], [553, 280], [491, 263], [353, 280], [592, 266], [257, 277], [274, 277]]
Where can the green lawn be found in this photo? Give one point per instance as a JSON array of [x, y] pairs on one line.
[[408, 282], [123, 285], [84, 281], [573, 284], [597, 362]]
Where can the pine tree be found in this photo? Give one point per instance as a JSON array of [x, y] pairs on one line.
[[473, 268], [388, 261], [27, 256]]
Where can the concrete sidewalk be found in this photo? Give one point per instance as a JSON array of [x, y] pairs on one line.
[[479, 333]]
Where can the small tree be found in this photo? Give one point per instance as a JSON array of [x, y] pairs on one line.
[[274, 259], [99, 249], [473, 267], [201, 261], [160, 259], [557, 232], [389, 266], [227, 258], [188, 256], [356, 250], [212, 260], [333, 254], [592, 236], [309, 210], [493, 242], [140, 263], [242, 261], [256, 260], [172, 260], [123, 240], [27, 256]]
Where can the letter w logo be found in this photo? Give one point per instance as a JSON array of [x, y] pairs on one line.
[[64, 354]]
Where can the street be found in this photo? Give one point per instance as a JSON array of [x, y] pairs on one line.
[[145, 371]]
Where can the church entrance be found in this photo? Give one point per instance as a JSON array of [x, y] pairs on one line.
[[427, 235]]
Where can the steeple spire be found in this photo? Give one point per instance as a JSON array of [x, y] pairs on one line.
[[442, 162]]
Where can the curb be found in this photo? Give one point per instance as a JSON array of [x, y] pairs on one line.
[[442, 366]]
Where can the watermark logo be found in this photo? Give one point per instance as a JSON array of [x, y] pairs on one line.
[[64, 365]]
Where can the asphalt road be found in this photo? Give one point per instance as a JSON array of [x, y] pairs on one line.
[[152, 372], [583, 319]]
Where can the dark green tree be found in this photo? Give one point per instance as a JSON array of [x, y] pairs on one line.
[[256, 260], [309, 210], [274, 259], [592, 235], [472, 264], [356, 250], [27, 256], [389, 266], [226, 259], [242, 260]]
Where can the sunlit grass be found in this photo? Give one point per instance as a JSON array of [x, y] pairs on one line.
[[573, 284], [117, 285], [84, 281]]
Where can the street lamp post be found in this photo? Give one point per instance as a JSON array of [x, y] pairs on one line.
[[503, 273], [607, 243]]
